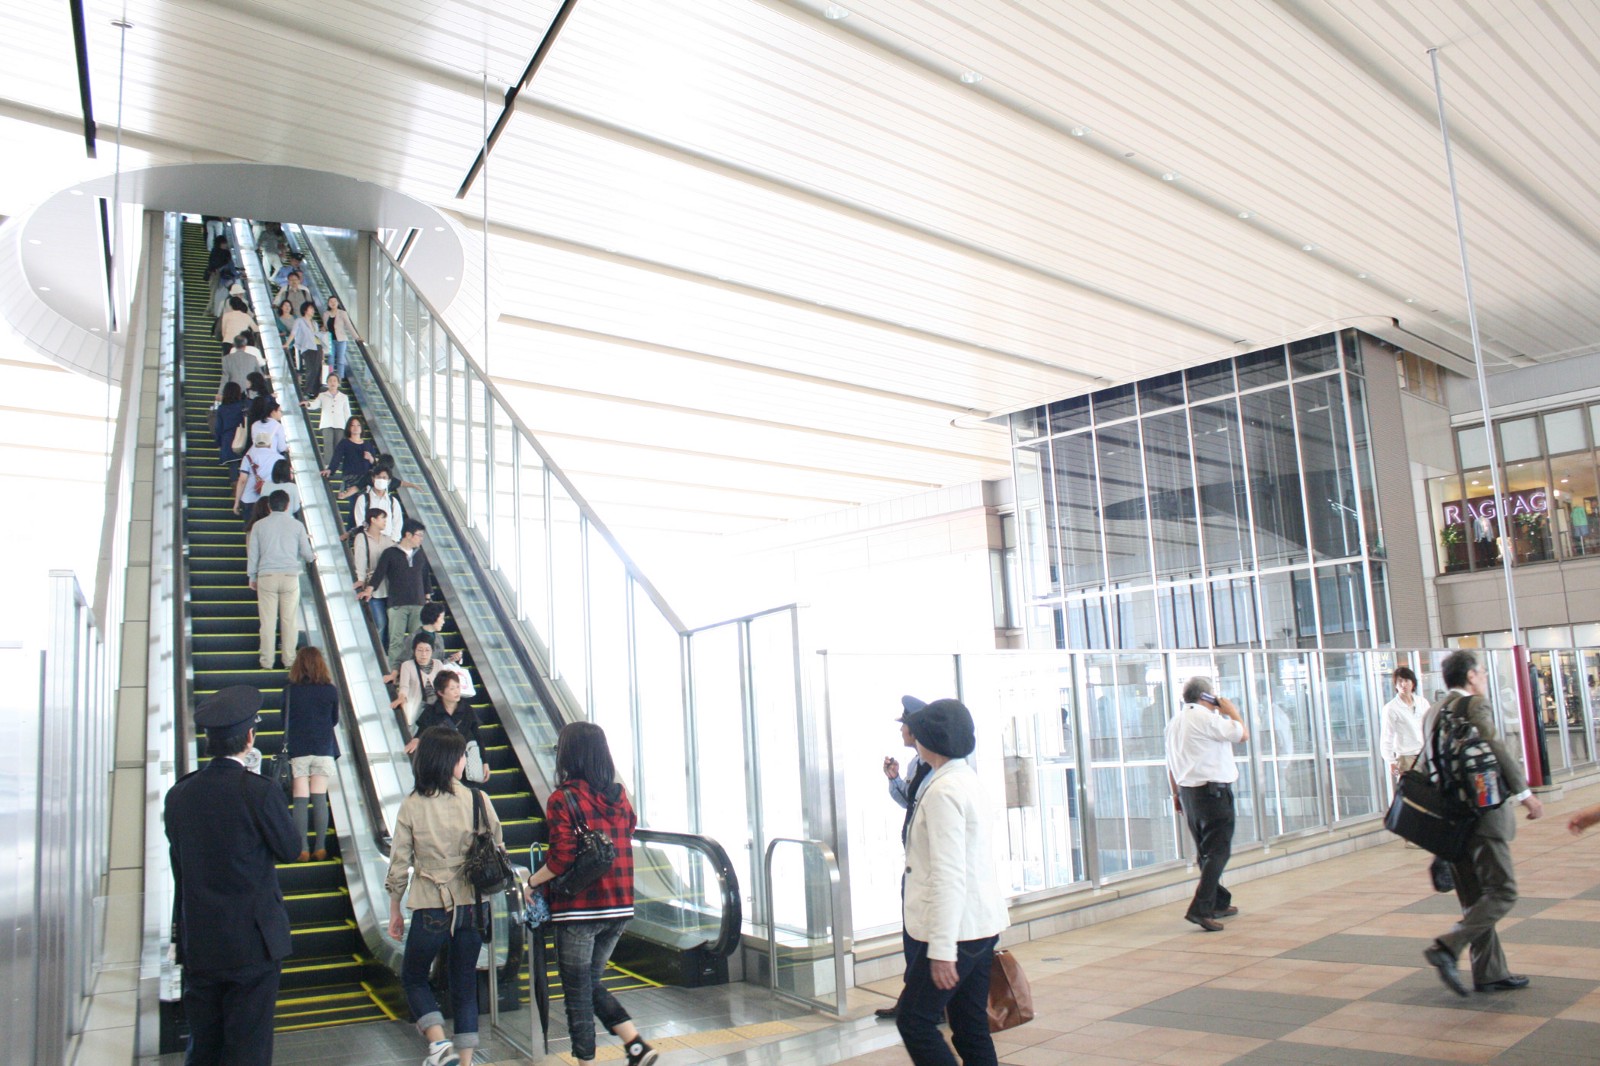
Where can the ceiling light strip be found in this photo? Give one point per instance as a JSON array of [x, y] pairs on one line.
[[512, 93]]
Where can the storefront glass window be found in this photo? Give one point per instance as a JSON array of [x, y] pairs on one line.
[[1452, 526], [1575, 505]]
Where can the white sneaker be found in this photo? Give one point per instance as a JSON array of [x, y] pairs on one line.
[[441, 1053]]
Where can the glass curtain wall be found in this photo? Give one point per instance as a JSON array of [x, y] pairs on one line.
[[1072, 754], [1231, 505]]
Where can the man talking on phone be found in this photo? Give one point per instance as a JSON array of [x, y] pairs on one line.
[[1200, 767]]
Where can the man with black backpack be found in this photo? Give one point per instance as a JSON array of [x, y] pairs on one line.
[[1485, 882]]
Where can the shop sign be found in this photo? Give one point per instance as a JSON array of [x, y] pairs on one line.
[[1529, 501]]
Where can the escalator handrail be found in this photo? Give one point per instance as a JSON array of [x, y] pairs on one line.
[[448, 505], [730, 931], [182, 663]]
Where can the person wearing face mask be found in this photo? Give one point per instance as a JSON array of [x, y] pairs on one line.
[[379, 495]]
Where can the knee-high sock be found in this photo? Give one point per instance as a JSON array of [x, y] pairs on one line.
[[302, 818], [319, 819]]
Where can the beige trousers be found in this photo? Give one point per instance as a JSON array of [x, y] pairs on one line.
[[278, 604]]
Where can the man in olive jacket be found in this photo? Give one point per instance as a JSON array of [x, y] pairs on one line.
[[1485, 881]]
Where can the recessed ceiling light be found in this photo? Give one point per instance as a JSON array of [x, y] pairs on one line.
[[44, 288], [94, 329], [1565, 480], [1363, 277], [1308, 247], [76, 192], [835, 12], [1411, 299], [1246, 214], [1475, 481], [452, 277], [34, 240], [438, 229], [1080, 131], [970, 77], [1169, 176]]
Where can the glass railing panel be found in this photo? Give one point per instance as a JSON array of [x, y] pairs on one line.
[[436, 386], [569, 628], [480, 426], [719, 736], [503, 505], [533, 590], [1233, 683], [771, 641], [1288, 748], [862, 701], [805, 947], [659, 691], [611, 700], [1589, 668], [677, 898]]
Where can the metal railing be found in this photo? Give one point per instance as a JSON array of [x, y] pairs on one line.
[[797, 971]]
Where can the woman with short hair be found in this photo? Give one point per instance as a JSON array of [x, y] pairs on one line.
[[432, 833]]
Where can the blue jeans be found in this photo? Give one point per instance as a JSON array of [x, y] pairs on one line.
[[379, 610], [430, 929], [339, 367], [923, 1005], [582, 951]]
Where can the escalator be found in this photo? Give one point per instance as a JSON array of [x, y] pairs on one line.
[[688, 913], [332, 978]]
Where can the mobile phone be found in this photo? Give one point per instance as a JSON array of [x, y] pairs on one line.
[[1209, 698]]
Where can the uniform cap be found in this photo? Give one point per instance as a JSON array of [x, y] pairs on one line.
[[235, 707], [911, 706]]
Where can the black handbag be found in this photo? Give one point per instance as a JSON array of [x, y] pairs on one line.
[[282, 771], [594, 857], [487, 865], [1429, 818]]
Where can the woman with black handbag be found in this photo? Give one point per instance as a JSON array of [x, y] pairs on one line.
[[433, 835], [590, 870]]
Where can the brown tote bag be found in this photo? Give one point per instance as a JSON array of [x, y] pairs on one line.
[[1010, 995]]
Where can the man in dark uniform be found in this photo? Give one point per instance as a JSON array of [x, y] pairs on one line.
[[226, 826]]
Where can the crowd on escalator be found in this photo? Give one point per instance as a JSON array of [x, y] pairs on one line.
[[230, 1014]]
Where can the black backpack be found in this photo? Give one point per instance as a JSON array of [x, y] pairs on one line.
[[1463, 763]]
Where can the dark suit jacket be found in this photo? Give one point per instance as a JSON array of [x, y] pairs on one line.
[[1500, 823], [226, 827]]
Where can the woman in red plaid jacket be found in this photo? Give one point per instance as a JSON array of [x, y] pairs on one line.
[[589, 924]]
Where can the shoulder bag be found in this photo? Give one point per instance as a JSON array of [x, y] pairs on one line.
[[1010, 994], [1425, 812], [487, 865], [282, 772], [595, 854]]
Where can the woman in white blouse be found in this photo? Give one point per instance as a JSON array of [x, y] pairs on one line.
[[1400, 740]]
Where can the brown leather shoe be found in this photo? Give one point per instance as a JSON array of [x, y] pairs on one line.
[[319, 855], [1208, 924], [1226, 912], [304, 856]]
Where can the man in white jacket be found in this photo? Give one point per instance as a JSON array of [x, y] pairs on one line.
[[954, 912]]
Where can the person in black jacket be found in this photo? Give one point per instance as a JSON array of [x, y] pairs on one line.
[[226, 827], [409, 578], [311, 705]]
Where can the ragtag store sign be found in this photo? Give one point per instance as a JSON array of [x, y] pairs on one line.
[[1531, 501]]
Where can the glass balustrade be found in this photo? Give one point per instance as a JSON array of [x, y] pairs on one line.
[[684, 710]]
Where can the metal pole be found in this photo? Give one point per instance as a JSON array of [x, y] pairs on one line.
[[486, 224], [1477, 356]]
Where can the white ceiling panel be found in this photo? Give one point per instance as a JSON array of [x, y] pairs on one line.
[[748, 263]]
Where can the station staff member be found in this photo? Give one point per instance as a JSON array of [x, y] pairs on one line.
[[226, 827]]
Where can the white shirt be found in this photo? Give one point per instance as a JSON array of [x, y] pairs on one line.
[[271, 431], [333, 409], [1200, 744], [951, 890], [1401, 732]]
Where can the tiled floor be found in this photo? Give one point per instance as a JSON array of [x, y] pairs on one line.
[[1324, 965]]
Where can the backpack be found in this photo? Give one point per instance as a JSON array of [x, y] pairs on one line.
[[1462, 762]]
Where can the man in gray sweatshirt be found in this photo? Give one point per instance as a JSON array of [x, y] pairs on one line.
[[276, 553]]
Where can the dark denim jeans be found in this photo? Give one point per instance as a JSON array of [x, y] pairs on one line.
[[582, 951], [379, 610], [923, 1005], [430, 929]]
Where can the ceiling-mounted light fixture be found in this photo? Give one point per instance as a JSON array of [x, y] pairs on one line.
[[1411, 299], [834, 13], [1246, 214], [1080, 131], [970, 77], [1169, 176], [1308, 247], [1363, 277]]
